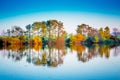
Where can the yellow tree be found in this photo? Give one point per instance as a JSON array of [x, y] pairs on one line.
[[79, 38], [36, 26], [101, 33], [79, 29], [106, 33], [44, 29]]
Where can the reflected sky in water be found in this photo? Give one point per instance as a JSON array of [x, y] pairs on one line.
[[60, 63]]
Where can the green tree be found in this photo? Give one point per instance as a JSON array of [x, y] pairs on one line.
[[28, 28], [82, 29], [8, 31]]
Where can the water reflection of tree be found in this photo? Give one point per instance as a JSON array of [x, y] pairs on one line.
[[116, 50], [50, 56], [53, 56], [92, 51], [104, 50], [16, 52], [80, 51]]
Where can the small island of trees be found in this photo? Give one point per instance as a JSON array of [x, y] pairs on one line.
[[47, 42], [51, 32]]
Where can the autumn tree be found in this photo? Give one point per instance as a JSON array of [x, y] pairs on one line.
[[106, 33], [82, 29], [36, 27]]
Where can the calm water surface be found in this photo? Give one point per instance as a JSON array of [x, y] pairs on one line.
[[73, 63]]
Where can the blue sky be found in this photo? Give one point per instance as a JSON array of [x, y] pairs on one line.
[[96, 13], [11, 8]]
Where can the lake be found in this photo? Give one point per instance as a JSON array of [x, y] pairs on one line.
[[75, 62]]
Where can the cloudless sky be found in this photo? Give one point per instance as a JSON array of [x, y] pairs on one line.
[[11, 8], [96, 13]]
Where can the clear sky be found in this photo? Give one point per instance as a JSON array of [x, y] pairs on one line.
[[9, 8], [23, 12]]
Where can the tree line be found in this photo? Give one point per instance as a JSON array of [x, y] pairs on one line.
[[51, 32]]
